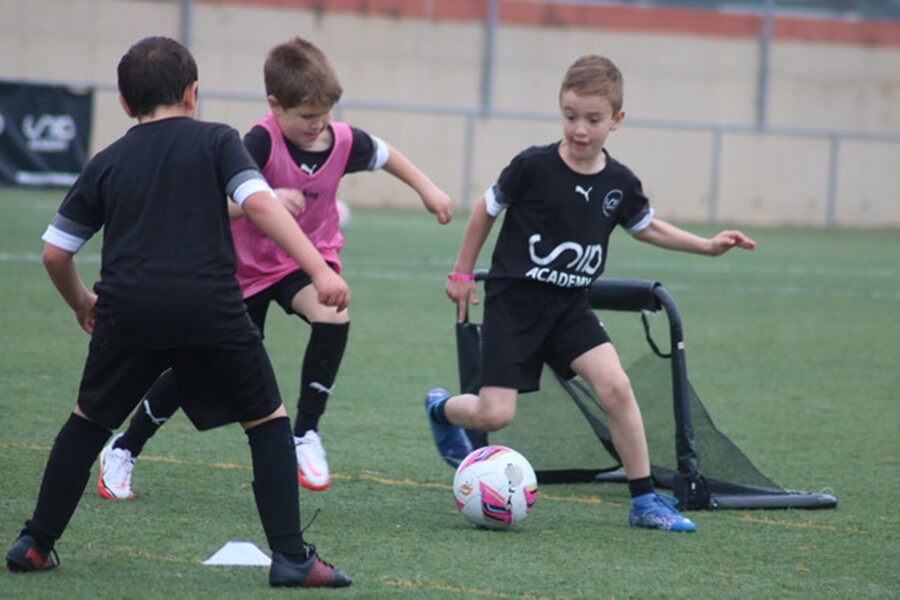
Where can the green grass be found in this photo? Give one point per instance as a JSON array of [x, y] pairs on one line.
[[793, 349]]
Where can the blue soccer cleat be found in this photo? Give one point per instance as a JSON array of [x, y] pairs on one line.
[[655, 511], [451, 440]]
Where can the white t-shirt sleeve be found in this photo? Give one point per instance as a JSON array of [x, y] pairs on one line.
[[382, 153], [493, 200]]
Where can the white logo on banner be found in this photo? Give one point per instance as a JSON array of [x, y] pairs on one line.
[[49, 133]]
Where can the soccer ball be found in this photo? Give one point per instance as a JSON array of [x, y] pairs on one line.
[[495, 487], [343, 213]]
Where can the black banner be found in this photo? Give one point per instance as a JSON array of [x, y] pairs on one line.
[[44, 133]]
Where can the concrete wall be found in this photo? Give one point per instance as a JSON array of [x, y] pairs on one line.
[[678, 65]]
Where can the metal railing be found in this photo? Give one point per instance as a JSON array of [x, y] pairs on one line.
[[471, 115]]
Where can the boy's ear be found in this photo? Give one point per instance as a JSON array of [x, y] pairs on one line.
[[125, 106], [617, 120], [189, 98], [274, 105]]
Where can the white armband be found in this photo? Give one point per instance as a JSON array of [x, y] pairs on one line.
[[250, 187], [382, 153], [643, 224], [61, 239], [492, 203]]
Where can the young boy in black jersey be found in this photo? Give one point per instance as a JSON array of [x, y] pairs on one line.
[[167, 298], [562, 201], [301, 151]]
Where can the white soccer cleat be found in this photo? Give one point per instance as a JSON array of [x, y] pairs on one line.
[[312, 468], [116, 465]]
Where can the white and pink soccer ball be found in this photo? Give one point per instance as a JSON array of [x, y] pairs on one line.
[[495, 487], [343, 213]]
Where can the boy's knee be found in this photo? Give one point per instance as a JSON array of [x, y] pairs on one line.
[[495, 420], [279, 412], [495, 408], [616, 391]]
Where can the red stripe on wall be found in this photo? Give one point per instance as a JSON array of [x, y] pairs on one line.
[[620, 18], [644, 19]]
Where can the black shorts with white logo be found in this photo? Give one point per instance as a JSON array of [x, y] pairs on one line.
[[527, 324], [226, 382]]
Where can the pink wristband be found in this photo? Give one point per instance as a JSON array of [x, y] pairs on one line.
[[461, 277]]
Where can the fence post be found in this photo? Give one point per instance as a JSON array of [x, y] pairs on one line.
[[715, 167]]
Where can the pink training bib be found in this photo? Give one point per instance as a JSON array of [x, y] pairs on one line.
[[260, 262]]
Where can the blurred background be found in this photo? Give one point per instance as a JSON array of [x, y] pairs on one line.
[[774, 112]]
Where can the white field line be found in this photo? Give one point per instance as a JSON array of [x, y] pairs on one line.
[[806, 281]]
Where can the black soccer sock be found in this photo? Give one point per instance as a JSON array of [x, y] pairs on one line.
[[438, 412], [68, 469], [640, 486], [275, 486], [160, 403], [324, 353]]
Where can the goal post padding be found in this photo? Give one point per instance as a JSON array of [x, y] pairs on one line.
[[564, 432]]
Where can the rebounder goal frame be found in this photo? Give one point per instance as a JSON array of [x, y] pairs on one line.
[[688, 483]]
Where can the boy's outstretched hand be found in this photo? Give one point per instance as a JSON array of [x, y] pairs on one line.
[[438, 203], [726, 240], [461, 293]]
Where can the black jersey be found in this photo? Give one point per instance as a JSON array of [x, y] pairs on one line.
[[167, 275], [558, 222], [363, 151]]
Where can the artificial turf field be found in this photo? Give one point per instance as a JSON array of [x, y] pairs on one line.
[[793, 349]]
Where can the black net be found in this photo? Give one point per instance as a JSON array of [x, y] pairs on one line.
[[564, 432], [721, 462]]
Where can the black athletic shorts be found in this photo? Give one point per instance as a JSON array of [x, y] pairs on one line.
[[222, 383], [282, 292], [527, 324]]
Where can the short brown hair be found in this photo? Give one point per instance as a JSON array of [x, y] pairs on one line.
[[297, 72], [594, 75], [155, 72]]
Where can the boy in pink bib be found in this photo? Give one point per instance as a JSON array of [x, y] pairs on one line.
[[303, 154]]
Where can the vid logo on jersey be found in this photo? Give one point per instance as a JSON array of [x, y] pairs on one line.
[[582, 264]]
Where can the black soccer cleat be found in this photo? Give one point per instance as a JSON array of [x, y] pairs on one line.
[[313, 572], [25, 556]]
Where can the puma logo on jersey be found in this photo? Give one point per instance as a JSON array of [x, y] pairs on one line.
[[584, 192], [309, 170]]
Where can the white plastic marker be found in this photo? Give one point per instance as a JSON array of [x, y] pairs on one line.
[[239, 554]]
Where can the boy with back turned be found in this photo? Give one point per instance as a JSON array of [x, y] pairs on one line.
[[304, 154], [168, 298]]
